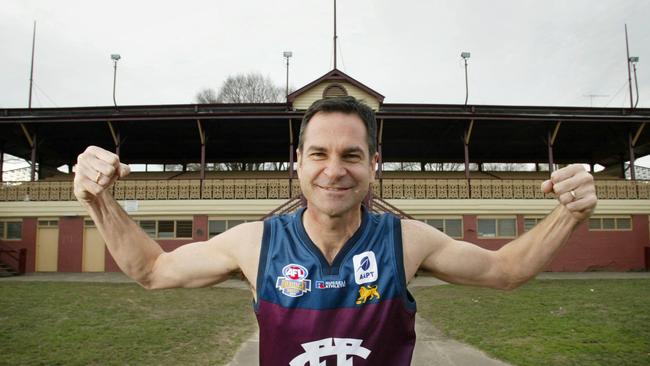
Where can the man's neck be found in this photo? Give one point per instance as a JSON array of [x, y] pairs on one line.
[[331, 233]]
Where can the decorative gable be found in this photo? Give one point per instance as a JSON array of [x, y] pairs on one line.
[[334, 84]]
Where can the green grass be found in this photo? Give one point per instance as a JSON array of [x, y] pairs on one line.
[[103, 324], [567, 322]]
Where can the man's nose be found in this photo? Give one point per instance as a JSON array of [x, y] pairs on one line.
[[335, 169]]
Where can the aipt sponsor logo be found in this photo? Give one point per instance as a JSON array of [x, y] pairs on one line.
[[323, 285], [367, 293], [345, 350], [365, 268], [293, 282]]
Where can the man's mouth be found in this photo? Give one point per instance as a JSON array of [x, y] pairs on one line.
[[334, 189]]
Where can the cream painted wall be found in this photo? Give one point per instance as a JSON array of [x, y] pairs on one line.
[[308, 97], [258, 208]]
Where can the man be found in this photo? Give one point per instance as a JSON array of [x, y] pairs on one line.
[[329, 281]]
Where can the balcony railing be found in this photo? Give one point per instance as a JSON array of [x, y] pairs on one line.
[[279, 189]]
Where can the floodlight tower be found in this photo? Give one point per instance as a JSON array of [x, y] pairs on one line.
[[115, 57], [287, 55], [465, 56], [633, 60]]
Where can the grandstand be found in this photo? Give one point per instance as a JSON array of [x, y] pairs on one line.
[[230, 164]]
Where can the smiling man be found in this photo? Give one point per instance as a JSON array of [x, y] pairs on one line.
[[329, 281]]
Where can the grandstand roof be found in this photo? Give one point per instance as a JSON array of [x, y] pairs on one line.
[[260, 132]]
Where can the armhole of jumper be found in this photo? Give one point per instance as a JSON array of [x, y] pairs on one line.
[[261, 267], [409, 300]]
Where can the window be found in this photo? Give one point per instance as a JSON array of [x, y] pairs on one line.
[[497, 227], [610, 223], [167, 229], [11, 230], [334, 90], [48, 223], [530, 222], [450, 226], [216, 227]]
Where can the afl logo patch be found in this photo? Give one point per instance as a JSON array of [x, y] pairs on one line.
[[293, 282]]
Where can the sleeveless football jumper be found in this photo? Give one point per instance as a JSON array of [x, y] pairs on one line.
[[356, 311]]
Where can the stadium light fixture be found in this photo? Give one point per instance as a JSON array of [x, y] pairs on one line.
[[465, 56], [287, 55], [115, 57]]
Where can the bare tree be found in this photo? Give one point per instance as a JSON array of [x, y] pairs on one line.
[[243, 88], [206, 96]]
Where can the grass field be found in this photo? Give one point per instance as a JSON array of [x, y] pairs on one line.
[[120, 324], [567, 322]]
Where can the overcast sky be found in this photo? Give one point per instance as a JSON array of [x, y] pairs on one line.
[[549, 53]]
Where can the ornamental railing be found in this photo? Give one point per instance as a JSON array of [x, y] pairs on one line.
[[419, 188]]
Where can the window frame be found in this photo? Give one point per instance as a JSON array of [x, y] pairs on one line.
[[174, 220], [537, 219], [497, 234], [444, 224], [615, 218], [227, 225], [5, 229]]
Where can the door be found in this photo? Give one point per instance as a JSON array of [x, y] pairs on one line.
[[47, 246], [94, 249]]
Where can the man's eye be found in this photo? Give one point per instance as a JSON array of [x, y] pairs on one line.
[[353, 157]]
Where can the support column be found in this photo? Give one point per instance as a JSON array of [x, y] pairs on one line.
[[551, 142], [2, 160], [290, 158], [203, 142], [32, 174], [380, 162], [116, 138], [550, 153], [466, 139], [631, 149]]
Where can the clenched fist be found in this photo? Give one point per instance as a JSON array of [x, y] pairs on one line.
[[95, 171], [574, 187]]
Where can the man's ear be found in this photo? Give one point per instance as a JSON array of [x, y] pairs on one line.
[[373, 166], [298, 162]]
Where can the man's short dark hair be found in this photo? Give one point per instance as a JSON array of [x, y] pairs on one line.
[[348, 105]]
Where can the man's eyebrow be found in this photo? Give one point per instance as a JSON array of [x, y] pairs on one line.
[[354, 149], [316, 148]]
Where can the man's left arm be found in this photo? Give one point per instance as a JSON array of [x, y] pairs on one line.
[[516, 262], [529, 254]]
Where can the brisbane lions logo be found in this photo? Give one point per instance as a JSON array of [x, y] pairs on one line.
[[367, 293]]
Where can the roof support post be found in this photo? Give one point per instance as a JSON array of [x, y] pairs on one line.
[[630, 146], [32, 174], [551, 142], [290, 158], [2, 160], [116, 137], [380, 160], [466, 139], [202, 136], [550, 153]]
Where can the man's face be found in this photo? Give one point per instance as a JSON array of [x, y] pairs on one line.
[[334, 167]]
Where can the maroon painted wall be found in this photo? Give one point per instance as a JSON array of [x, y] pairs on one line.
[[70, 244], [27, 241], [586, 250], [199, 233], [604, 250]]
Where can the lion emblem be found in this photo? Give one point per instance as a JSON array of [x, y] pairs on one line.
[[367, 293]]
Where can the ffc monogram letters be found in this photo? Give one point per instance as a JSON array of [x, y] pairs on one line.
[[339, 347]]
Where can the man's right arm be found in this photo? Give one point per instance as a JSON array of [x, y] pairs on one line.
[[140, 257]]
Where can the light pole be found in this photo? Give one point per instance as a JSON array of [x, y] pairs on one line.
[[287, 55], [633, 60], [115, 57], [465, 56]]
